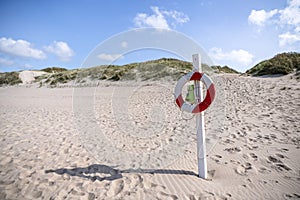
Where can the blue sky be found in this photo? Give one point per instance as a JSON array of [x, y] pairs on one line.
[[239, 33]]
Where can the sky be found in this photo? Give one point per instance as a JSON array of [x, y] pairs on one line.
[[238, 33]]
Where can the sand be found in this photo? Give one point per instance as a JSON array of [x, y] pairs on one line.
[[120, 141], [28, 76]]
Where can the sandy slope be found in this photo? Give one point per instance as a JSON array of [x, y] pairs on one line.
[[96, 145], [28, 76]]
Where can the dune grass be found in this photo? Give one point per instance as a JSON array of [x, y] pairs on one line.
[[284, 63], [9, 78]]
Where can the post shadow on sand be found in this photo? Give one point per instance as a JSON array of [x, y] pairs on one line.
[[113, 174]]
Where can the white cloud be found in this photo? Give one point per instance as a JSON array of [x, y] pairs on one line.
[[238, 56], [288, 18], [291, 14], [260, 17], [178, 17], [5, 62], [288, 39], [160, 18], [124, 44], [109, 57], [61, 50], [20, 48], [156, 20]]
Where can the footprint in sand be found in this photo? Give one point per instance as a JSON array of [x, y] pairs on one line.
[[209, 195], [115, 188], [2, 195], [280, 155], [277, 163], [245, 169], [274, 160], [164, 195], [211, 174], [281, 167], [284, 149], [235, 162], [36, 194], [292, 196], [264, 170], [254, 156], [6, 160], [136, 180], [227, 141], [233, 149], [216, 158]]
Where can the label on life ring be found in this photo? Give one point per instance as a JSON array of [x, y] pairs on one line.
[[201, 106]]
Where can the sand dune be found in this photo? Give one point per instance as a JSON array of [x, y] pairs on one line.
[[120, 141], [28, 76]]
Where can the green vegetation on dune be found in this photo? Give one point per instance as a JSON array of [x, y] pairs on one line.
[[172, 63], [55, 75], [164, 68], [224, 69], [283, 63], [59, 77], [54, 69], [9, 78], [110, 72], [149, 70]]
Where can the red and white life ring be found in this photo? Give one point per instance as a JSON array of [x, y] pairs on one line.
[[210, 93]]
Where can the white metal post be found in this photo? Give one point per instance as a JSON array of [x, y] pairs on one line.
[[201, 146]]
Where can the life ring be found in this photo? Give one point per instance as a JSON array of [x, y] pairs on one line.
[[210, 92]]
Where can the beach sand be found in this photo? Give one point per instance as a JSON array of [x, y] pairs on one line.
[[119, 141]]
